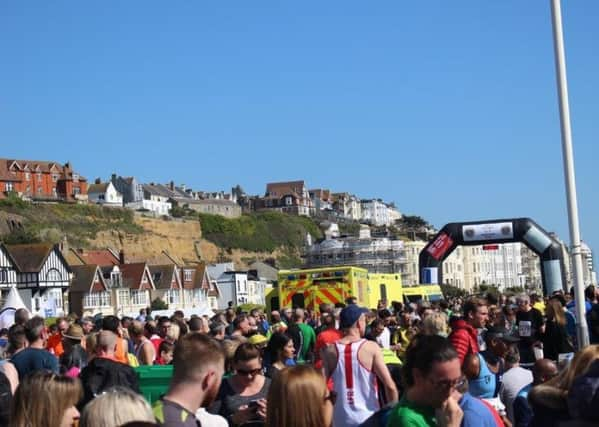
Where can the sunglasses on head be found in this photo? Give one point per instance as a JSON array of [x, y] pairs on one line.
[[332, 396], [252, 372]]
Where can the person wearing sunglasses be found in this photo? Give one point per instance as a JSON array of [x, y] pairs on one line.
[[242, 397], [431, 372], [317, 402]]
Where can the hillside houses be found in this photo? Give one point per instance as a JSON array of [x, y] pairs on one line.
[[41, 180]]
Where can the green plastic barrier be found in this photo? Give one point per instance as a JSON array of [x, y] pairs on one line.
[[154, 381]]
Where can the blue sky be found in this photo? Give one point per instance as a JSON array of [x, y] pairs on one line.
[[448, 109]]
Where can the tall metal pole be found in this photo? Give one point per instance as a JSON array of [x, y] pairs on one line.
[[564, 110]]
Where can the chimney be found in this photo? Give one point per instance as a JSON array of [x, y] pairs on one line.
[[171, 185], [121, 256], [97, 181], [113, 178]]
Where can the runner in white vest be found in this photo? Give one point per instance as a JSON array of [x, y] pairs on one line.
[[354, 364]]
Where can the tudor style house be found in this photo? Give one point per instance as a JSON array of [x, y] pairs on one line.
[[40, 274], [41, 180]]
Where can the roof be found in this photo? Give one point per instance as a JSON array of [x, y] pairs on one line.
[[30, 257], [217, 270], [204, 202], [101, 257], [36, 165], [162, 275], [276, 190], [159, 190], [132, 274], [83, 278], [200, 274], [264, 270], [97, 188]]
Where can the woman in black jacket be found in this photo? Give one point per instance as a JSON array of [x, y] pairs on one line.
[[555, 338]]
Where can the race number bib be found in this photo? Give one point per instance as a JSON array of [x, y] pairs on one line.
[[525, 328]]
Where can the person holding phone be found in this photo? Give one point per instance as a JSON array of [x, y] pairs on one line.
[[242, 398]]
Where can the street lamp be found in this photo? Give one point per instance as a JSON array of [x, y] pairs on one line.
[[566, 131]]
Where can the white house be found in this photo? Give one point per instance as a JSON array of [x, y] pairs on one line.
[[104, 194], [375, 212], [156, 199]]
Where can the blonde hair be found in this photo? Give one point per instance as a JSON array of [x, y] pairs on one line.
[[42, 399], [173, 332], [115, 407], [435, 324], [283, 410], [554, 310], [580, 364]]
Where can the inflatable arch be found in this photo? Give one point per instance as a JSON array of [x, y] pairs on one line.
[[522, 230]]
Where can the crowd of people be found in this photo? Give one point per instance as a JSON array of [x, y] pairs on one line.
[[474, 361]]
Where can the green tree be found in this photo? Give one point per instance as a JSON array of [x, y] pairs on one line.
[[159, 304]]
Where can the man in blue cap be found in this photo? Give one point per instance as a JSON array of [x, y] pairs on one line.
[[354, 364]]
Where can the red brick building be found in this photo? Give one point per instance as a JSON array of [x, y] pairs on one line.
[[41, 180]]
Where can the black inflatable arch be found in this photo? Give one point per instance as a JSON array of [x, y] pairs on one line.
[[522, 230]]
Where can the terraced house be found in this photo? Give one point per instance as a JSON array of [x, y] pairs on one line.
[[41, 180], [103, 282]]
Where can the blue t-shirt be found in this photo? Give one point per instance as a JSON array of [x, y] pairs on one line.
[[34, 359], [476, 414], [485, 385]]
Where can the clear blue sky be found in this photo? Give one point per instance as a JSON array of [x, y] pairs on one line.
[[447, 108]]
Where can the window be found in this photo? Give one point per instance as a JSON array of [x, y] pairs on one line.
[[9, 186], [27, 176], [383, 291], [75, 177], [188, 295], [56, 295], [39, 190], [187, 275], [39, 177], [123, 296], [53, 275], [3, 276], [54, 193], [172, 296], [115, 280], [139, 297], [97, 299], [76, 190], [54, 177], [199, 295]]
